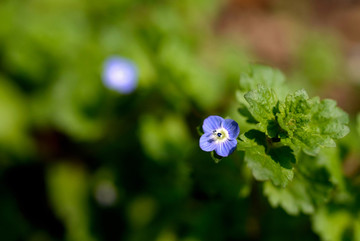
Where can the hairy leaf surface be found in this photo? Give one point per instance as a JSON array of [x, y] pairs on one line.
[[262, 107], [310, 123]]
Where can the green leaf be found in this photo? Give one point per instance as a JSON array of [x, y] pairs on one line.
[[244, 111], [335, 223], [265, 161], [331, 159], [293, 199], [262, 106], [309, 189], [310, 123], [265, 76]]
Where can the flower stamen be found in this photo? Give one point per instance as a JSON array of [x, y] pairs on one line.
[[221, 134]]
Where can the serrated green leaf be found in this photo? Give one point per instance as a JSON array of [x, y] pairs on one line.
[[310, 123], [265, 76], [265, 162], [263, 106], [309, 189], [261, 101]]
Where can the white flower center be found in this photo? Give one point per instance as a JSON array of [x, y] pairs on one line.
[[221, 135], [119, 76]]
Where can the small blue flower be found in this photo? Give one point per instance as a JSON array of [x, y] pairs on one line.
[[120, 74], [219, 135]]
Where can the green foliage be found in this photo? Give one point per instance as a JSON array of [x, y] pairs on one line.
[[164, 138], [311, 124], [262, 104], [290, 144], [310, 188], [265, 76], [336, 223], [265, 161], [59, 119], [294, 124], [68, 191], [141, 211], [14, 119]]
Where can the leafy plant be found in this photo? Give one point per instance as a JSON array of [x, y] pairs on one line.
[[286, 127], [291, 146]]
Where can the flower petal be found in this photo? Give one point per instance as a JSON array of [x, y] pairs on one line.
[[120, 74], [212, 123], [232, 127], [226, 148], [207, 143]]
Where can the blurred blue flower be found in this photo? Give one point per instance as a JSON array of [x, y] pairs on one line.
[[219, 135], [120, 74]]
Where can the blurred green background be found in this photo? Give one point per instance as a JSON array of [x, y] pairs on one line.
[[79, 162]]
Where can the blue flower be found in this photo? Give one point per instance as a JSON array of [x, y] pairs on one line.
[[219, 135], [120, 74]]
